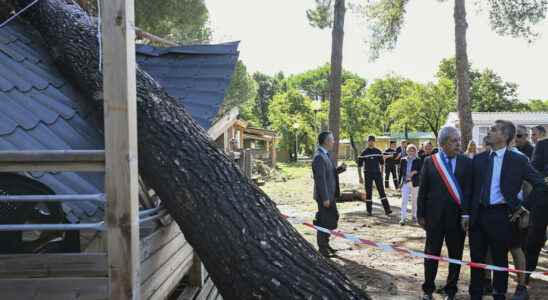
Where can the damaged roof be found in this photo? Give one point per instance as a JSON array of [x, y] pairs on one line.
[[40, 111]]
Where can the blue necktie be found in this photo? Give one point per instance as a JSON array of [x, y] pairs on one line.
[[486, 195], [447, 162]]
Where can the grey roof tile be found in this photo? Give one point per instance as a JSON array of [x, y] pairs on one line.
[[39, 109], [197, 76]]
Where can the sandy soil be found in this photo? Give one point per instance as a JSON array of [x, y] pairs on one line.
[[384, 275]]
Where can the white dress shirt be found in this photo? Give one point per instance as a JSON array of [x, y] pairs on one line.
[[496, 196]]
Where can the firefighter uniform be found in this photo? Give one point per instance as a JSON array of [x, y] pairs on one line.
[[371, 160], [390, 168]]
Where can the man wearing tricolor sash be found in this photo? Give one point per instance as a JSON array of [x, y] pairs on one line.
[[445, 184]]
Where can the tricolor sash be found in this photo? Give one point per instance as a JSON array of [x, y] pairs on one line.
[[448, 178]]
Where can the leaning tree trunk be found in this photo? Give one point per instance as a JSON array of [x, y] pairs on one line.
[[335, 81], [463, 78], [250, 250]]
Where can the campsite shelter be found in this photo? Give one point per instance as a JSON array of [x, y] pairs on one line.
[[42, 110]]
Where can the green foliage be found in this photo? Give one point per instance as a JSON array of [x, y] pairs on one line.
[[508, 17], [183, 21], [241, 93], [382, 93], [267, 87], [315, 83], [177, 20], [517, 17], [385, 19], [321, 16], [537, 105], [357, 111], [424, 107], [488, 92], [292, 117]]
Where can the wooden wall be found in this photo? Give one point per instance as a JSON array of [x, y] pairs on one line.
[[165, 258]]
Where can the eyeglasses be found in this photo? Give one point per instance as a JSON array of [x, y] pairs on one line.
[[519, 135]]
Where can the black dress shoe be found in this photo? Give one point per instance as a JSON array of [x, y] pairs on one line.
[[325, 253], [331, 250], [521, 293]]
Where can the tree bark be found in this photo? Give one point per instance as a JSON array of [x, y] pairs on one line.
[[335, 81], [249, 249], [463, 79]]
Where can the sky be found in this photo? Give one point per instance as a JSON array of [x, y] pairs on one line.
[[276, 36]]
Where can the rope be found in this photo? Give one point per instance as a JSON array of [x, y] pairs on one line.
[[18, 13]]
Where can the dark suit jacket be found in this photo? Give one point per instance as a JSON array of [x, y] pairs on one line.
[[326, 187], [515, 170], [540, 157], [417, 165], [434, 204]]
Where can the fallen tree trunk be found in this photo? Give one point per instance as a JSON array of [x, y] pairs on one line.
[[248, 248]]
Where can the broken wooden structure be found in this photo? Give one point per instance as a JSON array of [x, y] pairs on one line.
[[112, 238]]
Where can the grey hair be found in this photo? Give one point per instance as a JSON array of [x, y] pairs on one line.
[[522, 128], [445, 133]]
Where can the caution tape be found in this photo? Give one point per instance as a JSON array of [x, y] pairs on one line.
[[403, 251]]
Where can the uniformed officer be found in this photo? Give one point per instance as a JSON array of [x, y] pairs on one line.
[[390, 165], [371, 160]]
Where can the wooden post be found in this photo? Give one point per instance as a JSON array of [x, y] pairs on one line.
[[196, 274], [121, 178], [248, 162], [273, 153]]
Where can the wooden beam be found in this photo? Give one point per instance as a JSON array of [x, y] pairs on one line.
[[141, 34], [121, 178], [66, 288], [53, 265], [52, 160], [225, 122]]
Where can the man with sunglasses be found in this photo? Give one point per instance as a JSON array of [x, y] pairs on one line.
[[522, 141]]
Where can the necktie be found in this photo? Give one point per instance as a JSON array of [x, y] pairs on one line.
[[448, 163], [486, 195]]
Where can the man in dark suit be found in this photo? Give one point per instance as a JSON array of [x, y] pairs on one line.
[[390, 155], [539, 220], [326, 190], [522, 141], [445, 183], [498, 178]]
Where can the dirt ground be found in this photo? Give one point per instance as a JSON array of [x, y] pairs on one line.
[[383, 275]]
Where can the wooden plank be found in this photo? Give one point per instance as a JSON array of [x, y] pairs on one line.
[[189, 293], [165, 279], [52, 160], [213, 294], [120, 117], [35, 156], [53, 265], [158, 239], [197, 274], [67, 288], [206, 289], [160, 257], [223, 124]]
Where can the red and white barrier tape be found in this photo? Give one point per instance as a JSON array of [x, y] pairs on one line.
[[400, 250]]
